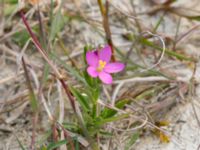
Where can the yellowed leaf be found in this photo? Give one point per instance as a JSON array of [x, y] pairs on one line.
[[162, 123], [164, 138], [161, 135]]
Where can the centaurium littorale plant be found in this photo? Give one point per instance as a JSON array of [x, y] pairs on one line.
[[100, 65]]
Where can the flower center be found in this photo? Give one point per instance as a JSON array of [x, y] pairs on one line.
[[101, 65]]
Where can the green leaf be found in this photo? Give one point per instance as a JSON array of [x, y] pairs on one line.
[[11, 1], [88, 79], [71, 126], [21, 37], [105, 133], [81, 99], [76, 144], [43, 148], [33, 99], [54, 145], [169, 52], [133, 139], [94, 110], [93, 83], [57, 24], [93, 87], [158, 23], [197, 18], [95, 93], [71, 70], [107, 112], [111, 119], [20, 144], [150, 72], [10, 8], [86, 48], [44, 137]]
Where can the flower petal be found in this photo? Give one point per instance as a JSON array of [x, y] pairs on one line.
[[114, 67], [105, 53], [92, 59], [92, 71], [105, 77]]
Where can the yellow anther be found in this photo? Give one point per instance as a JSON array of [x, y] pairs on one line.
[[101, 65]]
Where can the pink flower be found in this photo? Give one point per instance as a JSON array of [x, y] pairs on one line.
[[99, 65]]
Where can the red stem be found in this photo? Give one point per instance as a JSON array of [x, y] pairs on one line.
[[40, 49]]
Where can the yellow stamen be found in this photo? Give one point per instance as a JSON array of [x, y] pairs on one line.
[[101, 65]]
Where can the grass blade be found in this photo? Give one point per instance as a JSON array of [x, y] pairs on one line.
[[133, 139], [82, 101], [20, 144], [55, 145], [33, 100], [169, 52]]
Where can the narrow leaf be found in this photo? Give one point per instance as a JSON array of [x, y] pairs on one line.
[[57, 24], [168, 52], [107, 112], [111, 119], [20, 144], [33, 100], [82, 101], [55, 145], [71, 70], [133, 139]]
